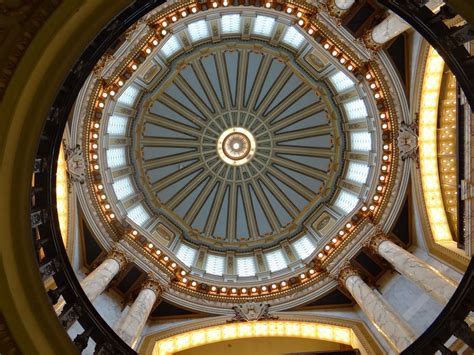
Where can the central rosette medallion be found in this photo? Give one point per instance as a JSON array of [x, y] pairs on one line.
[[236, 146]]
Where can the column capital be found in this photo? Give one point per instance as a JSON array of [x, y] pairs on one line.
[[374, 242], [154, 285], [345, 272], [119, 256]]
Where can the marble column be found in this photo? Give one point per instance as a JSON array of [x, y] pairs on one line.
[[413, 268], [338, 8], [395, 330], [344, 4], [130, 327], [392, 26], [97, 281]]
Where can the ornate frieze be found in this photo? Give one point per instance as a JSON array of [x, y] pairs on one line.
[[251, 311]]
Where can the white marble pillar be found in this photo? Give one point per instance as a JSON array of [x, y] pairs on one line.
[[344, 4], [395, 330], [97, 281], [413, 268], [130, 327], [393, 25]]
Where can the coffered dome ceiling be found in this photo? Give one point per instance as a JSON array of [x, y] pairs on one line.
[[240, 152], [257, 100]]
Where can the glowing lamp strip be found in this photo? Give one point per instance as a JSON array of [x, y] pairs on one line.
[[215, 334], [62, 195], [428, 147]]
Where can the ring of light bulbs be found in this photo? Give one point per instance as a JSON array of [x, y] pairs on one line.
[[304, 17]]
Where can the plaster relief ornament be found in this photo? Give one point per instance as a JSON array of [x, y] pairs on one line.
[[407, 141], [251, 311], [75, 165]]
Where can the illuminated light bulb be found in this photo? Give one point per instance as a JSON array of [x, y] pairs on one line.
[[372, 207], [96, 125], [244, 290], [376, 198], [155, 42], [101, 105], [348, 225], [368, 76], [134, 67], [184, 280], [95, 136], [150, 245], [112, 215], [377, 95], [385, 157], [236, 146], [382, 178], [379, 188], [163, 32], [174, 19], [107, 207], [268, 5], [312, 271], [382, 116], [334, 53], [184, 14], [373, 86], [310, 31], [94, 146], [103, 197], [254, 289], [299, 14], [342, 60], [183, 272], [264, 288], [112, 93], [164, 24], [334, 240], [120, 83], [386, 146], [166, 258], [326, 46], [173, 265], [289, 10], [234, 290], [214, 4], [96, 167], [148, 51], [100, 187], [302, 276], [327, 247], [223, 289], [194, 283], [274, 286], [134, 232], [320, 255], [301, 22], [341, 232], [350, 67], [158, 252], [213, 288], [283, 283], [95, 156], [104, 94], [194, 10], [364, 208], [385, 126]]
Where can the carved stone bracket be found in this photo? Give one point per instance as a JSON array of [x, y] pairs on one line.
[[75, 165], [407, 141], [251, 311]]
